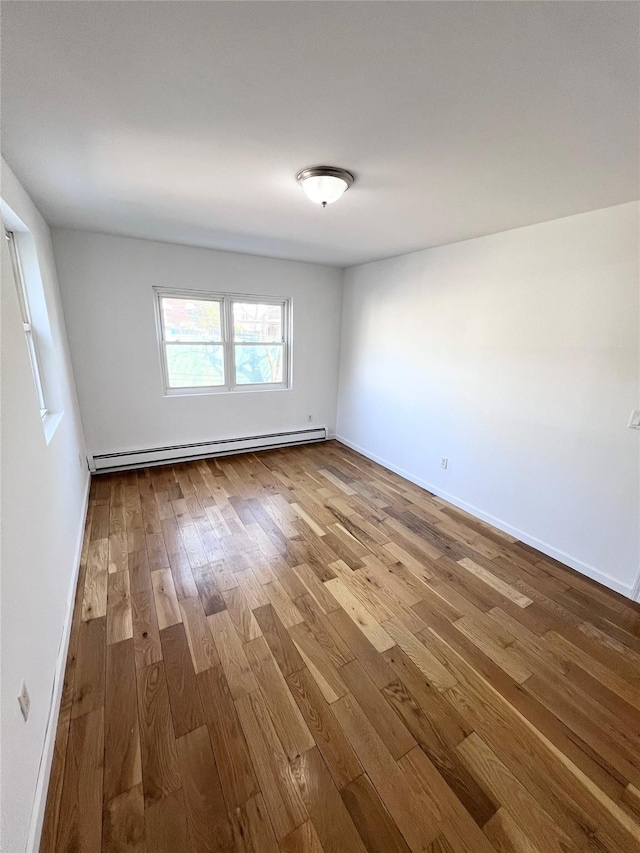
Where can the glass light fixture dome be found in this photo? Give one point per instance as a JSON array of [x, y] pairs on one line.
[[324, 184]]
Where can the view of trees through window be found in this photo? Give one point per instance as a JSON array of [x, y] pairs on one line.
[[196, 347], [257, 326]]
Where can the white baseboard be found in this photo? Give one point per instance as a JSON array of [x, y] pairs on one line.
[[631, 590], [44, 771]]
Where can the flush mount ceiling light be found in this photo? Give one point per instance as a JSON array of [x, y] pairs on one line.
[[324, 184]]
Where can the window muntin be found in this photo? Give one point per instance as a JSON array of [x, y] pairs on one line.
[[29, 332], [222, 342]]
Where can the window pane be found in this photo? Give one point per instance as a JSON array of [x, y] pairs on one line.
[[257, 322], [195, 366], [23, 299], [258, 364], [191, 320]]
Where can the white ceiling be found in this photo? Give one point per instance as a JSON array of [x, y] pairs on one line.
[[187, 121]]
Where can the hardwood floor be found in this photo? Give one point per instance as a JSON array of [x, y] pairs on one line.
[[298, 650]]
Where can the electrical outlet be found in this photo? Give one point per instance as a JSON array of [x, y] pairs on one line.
[[309, 418], [24, 701], [444, 462]]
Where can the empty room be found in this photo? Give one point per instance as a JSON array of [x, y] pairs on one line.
[[320, 426]]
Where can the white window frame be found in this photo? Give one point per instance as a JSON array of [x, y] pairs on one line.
[[226, 301], [27, 325]]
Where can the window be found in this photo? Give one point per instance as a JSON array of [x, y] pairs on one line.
[[222, 342], [30, 335]]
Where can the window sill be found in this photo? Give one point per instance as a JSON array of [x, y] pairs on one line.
[[50, 424], [208, 392]]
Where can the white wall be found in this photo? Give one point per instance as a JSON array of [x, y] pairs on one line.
[[515, 356], [44, 491], [108, 302]]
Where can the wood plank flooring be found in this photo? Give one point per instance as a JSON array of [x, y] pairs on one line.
[[298, 650]]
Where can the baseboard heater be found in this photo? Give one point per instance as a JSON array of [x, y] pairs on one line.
[[184, 452]]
